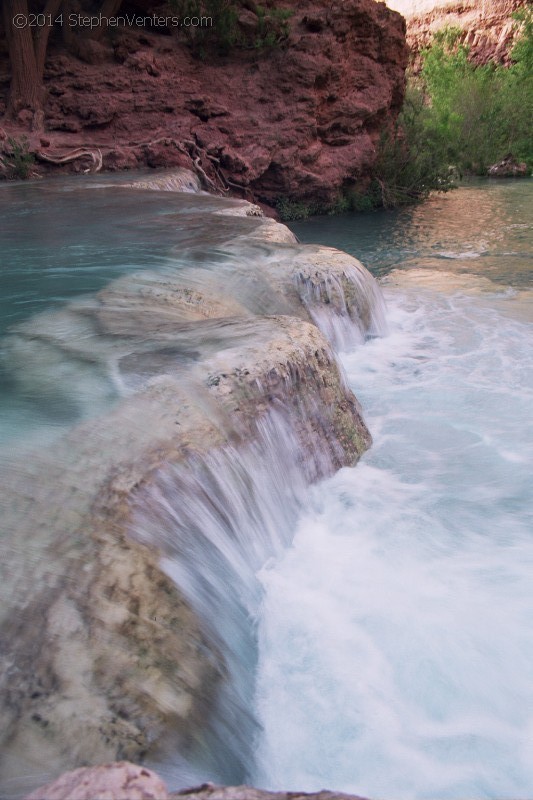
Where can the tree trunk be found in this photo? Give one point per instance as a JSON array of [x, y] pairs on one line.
[[27, 52], [43, 33], [108, 9], [26, 81]]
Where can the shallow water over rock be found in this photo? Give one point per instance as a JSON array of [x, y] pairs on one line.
[[199, 382]]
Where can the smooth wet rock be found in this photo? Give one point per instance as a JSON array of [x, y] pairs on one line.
[[118, 781]]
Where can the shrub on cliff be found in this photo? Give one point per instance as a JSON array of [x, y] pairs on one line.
[[457, 118], [233, 24], [480, 114]]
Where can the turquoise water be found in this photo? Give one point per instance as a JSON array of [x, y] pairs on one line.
[[68, 238], [65, 238], [395, 634], [394, 641], [484, 228]]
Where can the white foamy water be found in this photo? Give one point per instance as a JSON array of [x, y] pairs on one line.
[[396, 645]]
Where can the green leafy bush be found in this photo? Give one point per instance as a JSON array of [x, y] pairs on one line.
[[18, 159], [220, 34], [290, 210], [412, 159], [457, 118], [273, 27], [480, 114]]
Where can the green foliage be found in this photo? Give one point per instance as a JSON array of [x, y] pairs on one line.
[[273, 26], [522, 53], [223, 33], [18, 159], [412, 159], [218, 33], [365, 201], [480, 114], [290, 210], [517, 108], [457, 117], [341, 205]]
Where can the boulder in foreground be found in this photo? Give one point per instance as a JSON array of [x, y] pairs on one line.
[[125, 781]]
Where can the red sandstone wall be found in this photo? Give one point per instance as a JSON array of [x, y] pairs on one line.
[[300, 120], [488, 26]]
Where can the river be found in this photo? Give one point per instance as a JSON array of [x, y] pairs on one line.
[[395, 635], [388, 609]]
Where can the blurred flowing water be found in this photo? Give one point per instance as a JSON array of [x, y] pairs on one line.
[[376, 627], [395, 634], [483, 228]]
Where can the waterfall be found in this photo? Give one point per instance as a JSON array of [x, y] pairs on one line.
[[348, 307], [217, 521], [395, 638], [190, 405]]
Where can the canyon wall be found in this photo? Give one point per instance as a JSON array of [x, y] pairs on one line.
[[488, 27], [297, 120]]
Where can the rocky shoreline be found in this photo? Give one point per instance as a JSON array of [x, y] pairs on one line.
[[103, 654]]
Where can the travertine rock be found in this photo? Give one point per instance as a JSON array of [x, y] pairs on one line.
[[102, 655], [210, 792], [119, 781], [125, 781]]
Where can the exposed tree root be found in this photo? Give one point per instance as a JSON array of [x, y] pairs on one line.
[[196, 154], [66, 158]]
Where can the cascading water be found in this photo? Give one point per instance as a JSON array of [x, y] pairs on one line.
[[348, 308], [373, 629], [395, 642], [217, 521], [209, 344]]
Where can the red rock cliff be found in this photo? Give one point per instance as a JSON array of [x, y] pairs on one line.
[[488, 26], [299, 121]]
